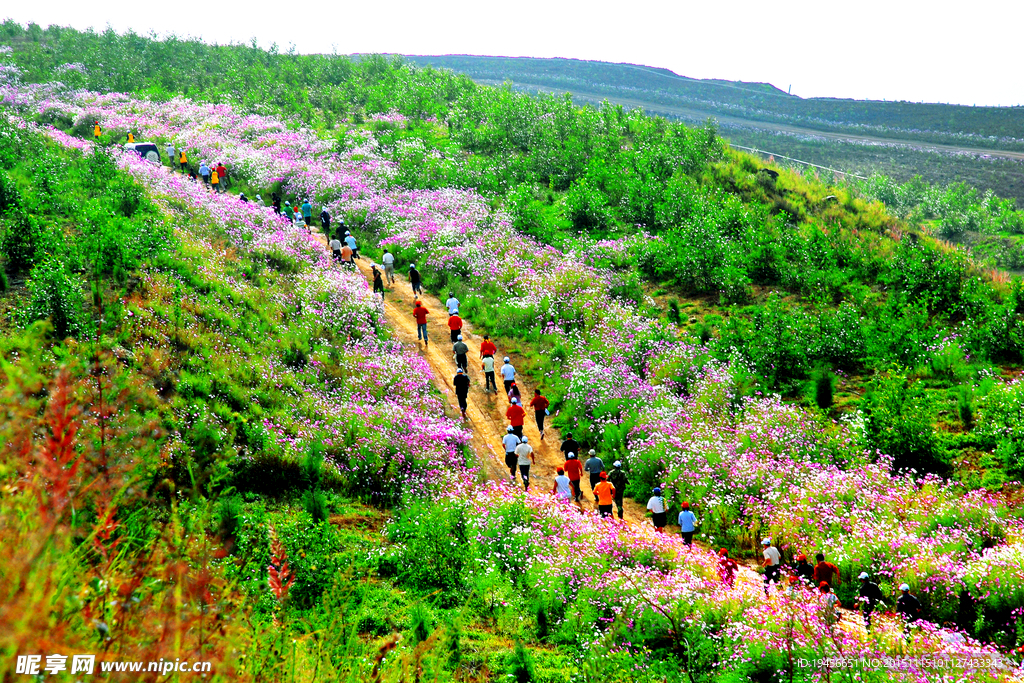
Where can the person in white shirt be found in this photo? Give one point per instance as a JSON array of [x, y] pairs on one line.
[[510, 441], [488, 367], [656, 505], [563, 487], [336, 249], [772, 563], [170, 152], [388, 259], [508, 373], [524, 452], [452, 304]]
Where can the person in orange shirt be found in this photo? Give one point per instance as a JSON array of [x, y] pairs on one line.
[[516, 415], [420, 313], [455, 325], [487, 348], [605, 494], [540, 409], [96, 130], [574, 470]]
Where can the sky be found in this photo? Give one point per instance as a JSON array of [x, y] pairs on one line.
[[962, 53]]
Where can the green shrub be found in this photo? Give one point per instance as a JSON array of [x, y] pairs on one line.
[[899, 418], [521, 668], [436, 549], [55, 294], [315, 504], [823, 388], [21, 242]]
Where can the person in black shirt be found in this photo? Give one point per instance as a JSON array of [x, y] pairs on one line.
[[870, 596], [618, 479], [325, 221], [414, 279], [461, 382], [908, 606], [803, 570]]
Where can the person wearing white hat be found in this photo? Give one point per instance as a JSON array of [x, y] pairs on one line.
[[516, 416], [617, 477], [459, 351], [508, 374], [594, 466], [908, 607], [772, 563], [870, 596], [510, 442], [524, 454]]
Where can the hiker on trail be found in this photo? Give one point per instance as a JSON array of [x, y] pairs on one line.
[[461, 382], [297, 217], [460, 350], [574, 470], [192, 176], [325, 220], [870, 596], [260, 201], [563, 487], [351, 242], [540, 410], [346, 255], [455, 325], [604, 493], [525, 457], [908, 607], [336, 249], [829, 603], [510, 441], [420, 313], [569, 445], [487, 347], [223, 173], [215, 180], [96, 132], [617, 478], [243, 198], [772, 563], [594, 466], [388, 259], [803, 570], [131, 138], [183, 160], [170, 153], [307, 213], [378, 283], [727, 568], [204, 173], [687, 523], [516, 415], [513, 394], [414, 279], [826, 571], [508, 374], [656, 505], [452, 304], [276, 203], [488, 367]]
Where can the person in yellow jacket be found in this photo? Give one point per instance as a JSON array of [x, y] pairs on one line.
[[131, 138], [183, 160], [215, 180], [96, 132]]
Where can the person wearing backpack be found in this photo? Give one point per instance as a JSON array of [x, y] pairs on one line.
[[618, 479]]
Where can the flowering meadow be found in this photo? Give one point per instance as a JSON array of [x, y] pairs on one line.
[[281, 376]]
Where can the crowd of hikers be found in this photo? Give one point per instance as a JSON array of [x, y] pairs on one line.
[[607, 487]]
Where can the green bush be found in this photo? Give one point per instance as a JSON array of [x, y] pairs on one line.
[[435, 547], [21, 242], [899, 418], [55, 294]]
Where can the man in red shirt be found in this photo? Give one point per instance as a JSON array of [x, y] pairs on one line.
[[540, 408], [487, 348], [826, 571], [574, 470], [223, 173], [455, 325], [516, 415], [421, 313]]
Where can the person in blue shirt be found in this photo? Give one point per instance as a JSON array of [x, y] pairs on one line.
[[351, 242], [687, 523]]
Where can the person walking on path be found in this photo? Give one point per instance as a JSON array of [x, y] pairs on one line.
[[223, 173], [574, 470], [826, 571], [455, 325], [215, 180], [908, 607], [508, 375], [525, 457], [772, 563], [727, 568], [460, 350], [487, 365], [307, 213], [604, 492], [452, 304], [204, 173], [487, 347], [336, 249], [351, 242], [183, 160], [516, 415], [870, 596], [96, 131], [346, 255], [388, 259], [275, 203], [803, 570], [656, 504], [594, 467], [617, 478], [687, 523], [325, 220], [170, 153], [510, 441], [415, 280], [540, 410], [378, 283], [570, 445], [130, 138], [562, 489], [829, 603], [420, 313], [513, 394], [461, 382]]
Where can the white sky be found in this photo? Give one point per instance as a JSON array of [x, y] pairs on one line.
[[966, 53]]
